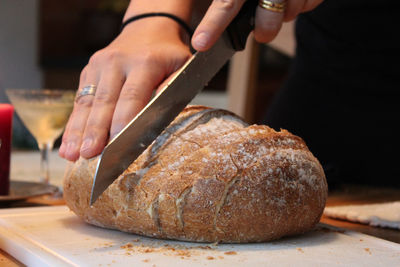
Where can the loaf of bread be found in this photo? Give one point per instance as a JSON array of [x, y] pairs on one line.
[[209, 177]]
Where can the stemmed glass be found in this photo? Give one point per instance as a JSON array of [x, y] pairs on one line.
[[45, 113]]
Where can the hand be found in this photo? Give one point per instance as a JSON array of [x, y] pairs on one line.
[[126, 73], [267, 23]]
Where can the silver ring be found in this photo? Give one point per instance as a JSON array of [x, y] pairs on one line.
[[87, 90]]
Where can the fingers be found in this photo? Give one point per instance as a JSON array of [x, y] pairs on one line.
[[72, 137], [135, 94], [166, 81], [109, 111], [222, 12], [268, 23], [217, 18], [98, 123]]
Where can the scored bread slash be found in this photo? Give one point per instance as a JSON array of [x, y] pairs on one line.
[[172, 99]]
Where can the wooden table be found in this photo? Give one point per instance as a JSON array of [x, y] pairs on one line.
[[345, 196], [351, 195]]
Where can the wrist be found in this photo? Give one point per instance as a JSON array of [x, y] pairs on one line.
[[162, 27], [179, 8], [176, 19]]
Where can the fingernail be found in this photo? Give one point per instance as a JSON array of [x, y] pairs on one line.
[[71, 150], [87, 143], [201, 40], [62, 149]]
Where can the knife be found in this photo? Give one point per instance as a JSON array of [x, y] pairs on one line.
[[124, 148]]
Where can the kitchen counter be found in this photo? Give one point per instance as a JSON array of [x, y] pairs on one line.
[[25, 167]]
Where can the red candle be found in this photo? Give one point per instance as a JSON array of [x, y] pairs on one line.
[[6, 114]]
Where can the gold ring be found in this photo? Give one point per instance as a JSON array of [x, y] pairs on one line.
[[272, 6], [87, 90]]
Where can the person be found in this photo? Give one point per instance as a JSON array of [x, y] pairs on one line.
[[144, 55], [341, 94]]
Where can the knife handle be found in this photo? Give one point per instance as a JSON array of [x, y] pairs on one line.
[[242, 25]]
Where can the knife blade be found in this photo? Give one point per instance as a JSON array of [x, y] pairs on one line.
[[124, 148]]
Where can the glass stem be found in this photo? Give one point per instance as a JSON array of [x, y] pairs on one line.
[[44, 161]]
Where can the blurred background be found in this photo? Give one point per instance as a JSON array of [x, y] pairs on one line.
[[45, 44]]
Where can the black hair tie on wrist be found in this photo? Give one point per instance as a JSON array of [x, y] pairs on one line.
[[173, 17]]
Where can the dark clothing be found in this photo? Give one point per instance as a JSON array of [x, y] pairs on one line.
[[342, 95]]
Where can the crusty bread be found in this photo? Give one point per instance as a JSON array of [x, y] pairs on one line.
[[208, 177]]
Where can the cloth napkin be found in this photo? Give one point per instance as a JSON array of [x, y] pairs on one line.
[[382, 214]]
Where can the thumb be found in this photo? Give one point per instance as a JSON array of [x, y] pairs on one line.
[[217, 18]]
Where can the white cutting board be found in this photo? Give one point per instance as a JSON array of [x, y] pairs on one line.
[[54, 236]]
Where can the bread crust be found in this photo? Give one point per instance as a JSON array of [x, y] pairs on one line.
[[209, 177]]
